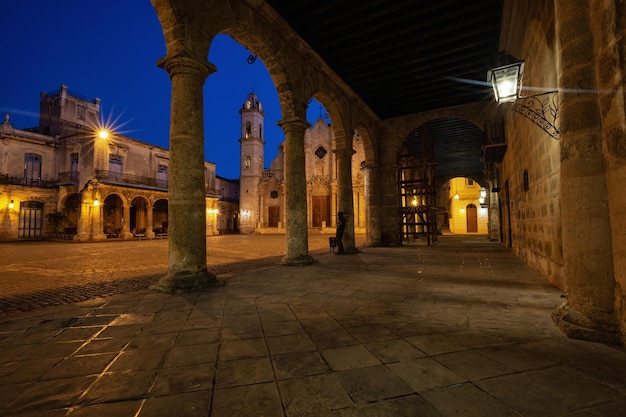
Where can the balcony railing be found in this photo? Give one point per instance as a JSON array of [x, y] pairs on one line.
[[113, 177], [68, 178], [28, 182]]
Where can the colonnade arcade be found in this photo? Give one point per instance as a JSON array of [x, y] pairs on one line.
[[590, 127], [297, 76], [104, 212]]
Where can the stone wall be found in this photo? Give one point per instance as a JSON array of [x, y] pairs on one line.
[[531, 166]]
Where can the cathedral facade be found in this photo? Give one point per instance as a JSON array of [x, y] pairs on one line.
[[262, 191]]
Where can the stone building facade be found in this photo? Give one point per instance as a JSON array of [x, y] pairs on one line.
[[64, 180], [262, 201]]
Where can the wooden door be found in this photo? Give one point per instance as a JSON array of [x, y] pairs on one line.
[[321, 210], [472, 218], [273, 216]]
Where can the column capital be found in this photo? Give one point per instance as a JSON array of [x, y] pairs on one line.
[[344, 153], [293, 124], [183, 63]]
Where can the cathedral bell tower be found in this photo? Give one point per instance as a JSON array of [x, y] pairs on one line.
[[251, 163]]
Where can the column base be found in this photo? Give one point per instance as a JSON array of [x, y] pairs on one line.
[[187, 282], [576, 325], [301, 260]]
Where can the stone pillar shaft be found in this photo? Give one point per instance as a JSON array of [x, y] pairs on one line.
[[345, 200], [126, 233], [587, 253], [372, 200], [297, 234], [149, 222], [187, 204], [389, 216], [90, 218]]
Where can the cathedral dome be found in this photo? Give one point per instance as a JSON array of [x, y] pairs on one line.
[[252, 103]]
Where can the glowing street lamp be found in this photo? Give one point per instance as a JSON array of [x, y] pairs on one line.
[[103, 134], [506, 80]]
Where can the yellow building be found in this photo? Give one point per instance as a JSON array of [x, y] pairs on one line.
[[70, 179], [468, 214]]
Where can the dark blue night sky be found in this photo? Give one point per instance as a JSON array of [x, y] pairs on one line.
[[108, 49]]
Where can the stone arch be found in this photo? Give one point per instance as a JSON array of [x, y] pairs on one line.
[[398, 129], [69, 206], [285, 70], [296, 74], [342, 133], [160, 210], [113, 214], [368, 144]]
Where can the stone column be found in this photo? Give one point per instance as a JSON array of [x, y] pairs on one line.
[[297, 233], [494, 215], [126, 233], [90, 217], [149, 225], [389, 216], [345, 201], [187, 204], [589, 311], [372, 200], [333, 205]]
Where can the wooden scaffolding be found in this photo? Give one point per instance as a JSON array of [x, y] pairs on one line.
[[416, 191]]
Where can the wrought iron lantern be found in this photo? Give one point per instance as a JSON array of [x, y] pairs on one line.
[[506, 80]]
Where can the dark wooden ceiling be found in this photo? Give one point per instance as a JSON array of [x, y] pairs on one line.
[[408, 56]]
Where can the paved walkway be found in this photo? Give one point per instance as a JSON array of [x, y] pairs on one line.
[[462, 328], [40, 274]]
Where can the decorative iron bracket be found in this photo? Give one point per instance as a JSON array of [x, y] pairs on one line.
[[541, 109]]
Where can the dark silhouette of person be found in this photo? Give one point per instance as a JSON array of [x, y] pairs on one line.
[[341, 227]]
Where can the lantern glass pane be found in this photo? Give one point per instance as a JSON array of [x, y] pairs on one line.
[[506, 82]]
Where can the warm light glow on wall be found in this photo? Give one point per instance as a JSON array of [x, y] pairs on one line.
[[96, 203]]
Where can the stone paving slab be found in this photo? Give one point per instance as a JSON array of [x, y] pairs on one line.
[[461, 328]]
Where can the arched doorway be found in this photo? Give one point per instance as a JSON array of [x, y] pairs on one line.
[[138, 216], [159, 217], [113, 216], [70, 213]]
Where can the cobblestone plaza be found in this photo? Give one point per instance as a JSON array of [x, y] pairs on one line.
[[461, 328]]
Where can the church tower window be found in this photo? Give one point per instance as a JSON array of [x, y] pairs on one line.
[[248, 129], [247, 161], [321, 152]]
